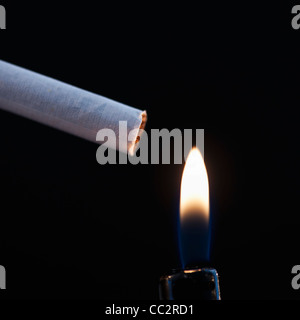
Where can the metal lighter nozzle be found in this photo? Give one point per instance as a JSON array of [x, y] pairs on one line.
[[193, 284]]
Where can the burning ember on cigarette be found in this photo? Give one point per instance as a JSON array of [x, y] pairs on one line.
[[194, 233]]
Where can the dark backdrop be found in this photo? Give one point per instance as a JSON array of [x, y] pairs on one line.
[[73, 228]]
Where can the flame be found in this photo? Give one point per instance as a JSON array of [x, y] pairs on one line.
[[194, 197]]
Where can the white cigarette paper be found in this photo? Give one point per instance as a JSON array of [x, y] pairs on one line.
[[64, 106]]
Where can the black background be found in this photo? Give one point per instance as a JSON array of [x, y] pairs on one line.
[[72, 228]]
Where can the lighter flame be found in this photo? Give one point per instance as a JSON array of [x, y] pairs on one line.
[[194, 198]]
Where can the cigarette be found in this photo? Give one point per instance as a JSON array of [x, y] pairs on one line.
[[65, 107]]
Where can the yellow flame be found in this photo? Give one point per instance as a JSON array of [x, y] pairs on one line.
[[194, 197]]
